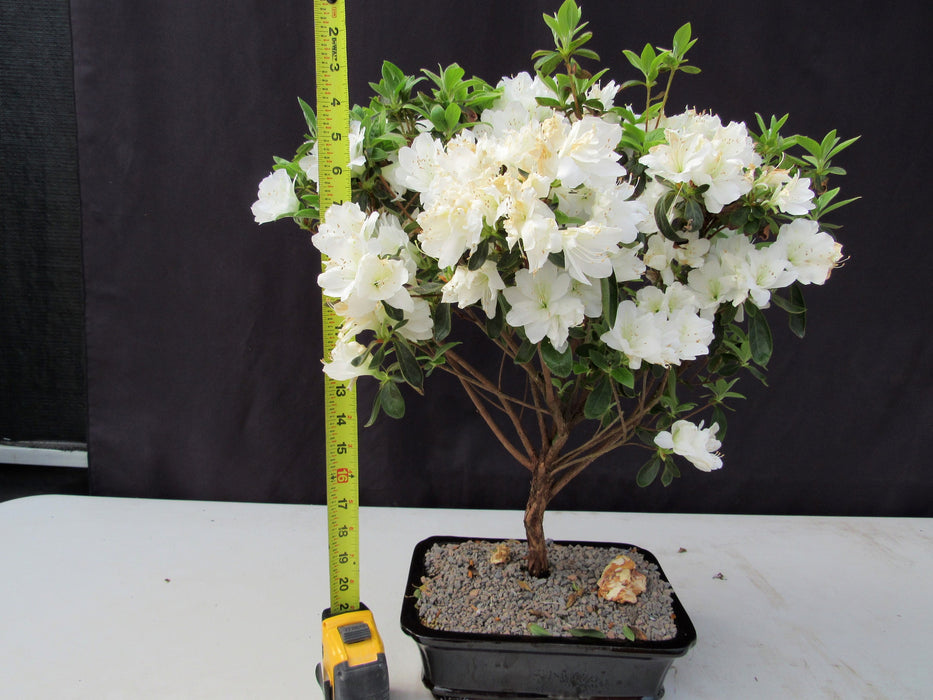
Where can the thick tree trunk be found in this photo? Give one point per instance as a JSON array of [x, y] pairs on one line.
[[538, 498]]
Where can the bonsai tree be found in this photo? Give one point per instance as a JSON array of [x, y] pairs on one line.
[[616, 258]]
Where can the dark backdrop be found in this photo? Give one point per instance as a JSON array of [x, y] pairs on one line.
[[203, 329], [42, 383]]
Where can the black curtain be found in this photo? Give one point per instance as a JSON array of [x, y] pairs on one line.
[[203, 329], [42, 376]]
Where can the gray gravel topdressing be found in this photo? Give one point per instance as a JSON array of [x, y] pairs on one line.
[[463, 592]]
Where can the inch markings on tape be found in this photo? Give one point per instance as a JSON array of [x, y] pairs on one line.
[[340, 415]]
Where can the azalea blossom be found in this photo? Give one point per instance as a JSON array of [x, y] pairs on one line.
[[276, 198], [587, 154], [605, 94], [416, 165], [340, 368], [367, 261], [811, 254], [790, 194], [701, 151], [637, 334], [693, 442], [517, 106], [542, 303], [467, 287], [588, 251], [526, 218]]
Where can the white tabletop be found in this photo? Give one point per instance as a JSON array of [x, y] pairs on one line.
[[130, 598]]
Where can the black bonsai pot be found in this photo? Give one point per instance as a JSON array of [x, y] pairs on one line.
[[479, 665]]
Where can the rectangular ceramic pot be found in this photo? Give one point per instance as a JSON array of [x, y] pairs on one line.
[[469, 665]]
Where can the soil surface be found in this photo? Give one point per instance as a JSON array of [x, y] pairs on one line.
[[463, 591]]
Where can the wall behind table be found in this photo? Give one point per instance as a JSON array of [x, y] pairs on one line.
[[203, 329]]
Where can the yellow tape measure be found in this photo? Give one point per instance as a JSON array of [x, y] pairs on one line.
[[333, 119], [354, 664]]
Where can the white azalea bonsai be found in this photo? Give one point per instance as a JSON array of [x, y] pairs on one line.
[[617, 258]]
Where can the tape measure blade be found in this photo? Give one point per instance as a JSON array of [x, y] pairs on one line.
[[334, 187]]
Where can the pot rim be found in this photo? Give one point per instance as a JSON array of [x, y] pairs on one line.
[[412, 626]]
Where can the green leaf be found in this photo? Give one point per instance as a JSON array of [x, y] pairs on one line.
[[377, 406], [628, 633], [693, 213], [393, 313], [660, 216], [438, 118], [587, 634], [560, 363], [479, 257], [635, 60], [441, 322], [310, 117], [682, 41], [525, 352], [649, 471], [599, 400], [719, 417], [759, 335], [609, 289], [624, 376], [495, 324], [408, 365], [538, 630], [798, 321], [787, 304], [393, 403], [670, 471], [452, 115]]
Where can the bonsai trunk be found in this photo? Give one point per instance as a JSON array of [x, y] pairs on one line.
[[539, 496]]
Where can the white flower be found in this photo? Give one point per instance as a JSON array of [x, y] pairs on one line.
[[343, 233], [517, 106], [682, 332], [606, 95], [627, 265], [811, 254], [276, 198], [378, 279], [592, 297], [612, 208], [692, 333], [660, 254], [710, 287], [587, 154], [637, 334], [459, 199], [795, 197], [452, 226], [416, 166], [693, 252], [588, 251], [367, 260], [768, 270], [534, 148], [341, 368], [733, 267], [542, 303], [420, 325], [700, 150], [528, 219], [696, 443], [470, 286]]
